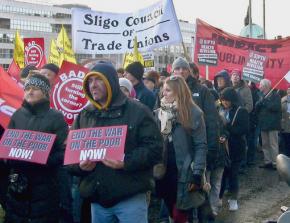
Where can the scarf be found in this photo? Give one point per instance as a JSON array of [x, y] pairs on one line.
[[167, 116]]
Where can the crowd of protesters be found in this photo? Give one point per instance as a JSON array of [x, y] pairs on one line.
[[188, 140]]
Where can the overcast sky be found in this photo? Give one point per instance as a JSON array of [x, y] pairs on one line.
[[225, 14]]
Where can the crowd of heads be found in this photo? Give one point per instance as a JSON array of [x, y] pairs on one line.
[[134, 74]]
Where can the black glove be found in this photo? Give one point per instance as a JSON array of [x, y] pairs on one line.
[[196, 179]]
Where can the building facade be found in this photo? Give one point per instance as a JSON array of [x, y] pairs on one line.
[[38, 20], [31, 20]]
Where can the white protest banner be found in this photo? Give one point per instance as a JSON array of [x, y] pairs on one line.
[[110, 33]]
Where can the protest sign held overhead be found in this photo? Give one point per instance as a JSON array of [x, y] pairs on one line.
[[148, 61], [233, 51], [207, 52], [67, 94], [254, 67], [95, 144], [34, 52], [26, 145], [106, 33]]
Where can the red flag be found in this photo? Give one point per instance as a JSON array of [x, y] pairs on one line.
[[11, 97], [14, 70]]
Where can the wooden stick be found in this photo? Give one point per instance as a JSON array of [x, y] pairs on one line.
[[185, 52]]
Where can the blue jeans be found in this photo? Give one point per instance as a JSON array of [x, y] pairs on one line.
[[231, 178], [215, 179], [164, 213], [132, 210], [77, 200]]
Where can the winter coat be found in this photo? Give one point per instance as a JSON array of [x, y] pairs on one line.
[[236, 125], [143, 145], [245, 94], [256, 95], [269, 112], [285, 115], [190, 147], [144, 95], [236, 133], [40, 203], [205, 100]]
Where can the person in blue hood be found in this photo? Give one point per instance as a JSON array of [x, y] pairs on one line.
[[222, 80]]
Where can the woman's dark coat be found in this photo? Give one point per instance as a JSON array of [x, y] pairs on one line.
[[40, 203]]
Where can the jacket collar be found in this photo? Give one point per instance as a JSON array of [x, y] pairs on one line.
[[139, 86], [115, 109], [38, 108], [191, 81]]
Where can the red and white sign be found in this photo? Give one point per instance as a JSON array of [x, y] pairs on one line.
[[95, 144], [34, 52], [11, 97], [26, 145], [232, 52], [67, 94]]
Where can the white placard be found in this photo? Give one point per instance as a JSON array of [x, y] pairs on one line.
[[111, 33]]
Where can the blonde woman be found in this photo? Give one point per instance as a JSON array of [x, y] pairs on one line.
[[183, 128]]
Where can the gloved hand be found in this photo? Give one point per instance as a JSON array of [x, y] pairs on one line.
[[196, 183]]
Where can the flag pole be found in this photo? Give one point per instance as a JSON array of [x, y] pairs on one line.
[[185, 52]]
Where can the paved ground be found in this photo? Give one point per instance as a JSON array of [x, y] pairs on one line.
[[261, 195]]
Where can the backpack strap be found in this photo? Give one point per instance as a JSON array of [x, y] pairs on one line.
[[235, 116]]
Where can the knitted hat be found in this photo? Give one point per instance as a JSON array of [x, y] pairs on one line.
[[180, 62], [39, 81], [52, 67], [123, 82], [25, 71], [136, 69]]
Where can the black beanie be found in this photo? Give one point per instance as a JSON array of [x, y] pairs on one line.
[[52, 67], [25, 71], [136, 69]]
